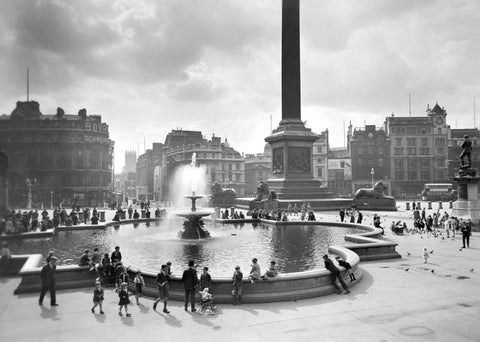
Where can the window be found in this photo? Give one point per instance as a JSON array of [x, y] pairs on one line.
[[399, 175], [412, 175], [319, 149], [320, 160], [411, 141], [320, 172], [425, 164], [440, 163], [412, 164], [411, 151], [425, 175], [424, 141], [398, 164], [380, 162], [380, 150], [440, 150], [440, 142], [424, 151], [439, 130], [439, 175], [398, 141], [398, 151], [359, 161]]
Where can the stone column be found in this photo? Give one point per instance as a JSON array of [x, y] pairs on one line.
[[291, 60]]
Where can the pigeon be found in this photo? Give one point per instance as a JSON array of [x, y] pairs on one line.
[[460, 249], [471, 270], [408, 253], [433, 271], [406, 270], [431, 252], [443, 238]]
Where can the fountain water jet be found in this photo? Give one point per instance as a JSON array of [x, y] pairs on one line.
[[191, 178]]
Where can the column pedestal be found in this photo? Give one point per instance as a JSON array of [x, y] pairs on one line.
[[468, 205]]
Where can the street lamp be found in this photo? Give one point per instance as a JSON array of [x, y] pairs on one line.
[[51, 199], [29, 194], [372, 172]]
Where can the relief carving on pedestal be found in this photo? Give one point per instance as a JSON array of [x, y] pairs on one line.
[[277, 162], [299, 160]]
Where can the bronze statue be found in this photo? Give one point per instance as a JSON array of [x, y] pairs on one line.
[[467, 151], [263, 192], [378, 191]]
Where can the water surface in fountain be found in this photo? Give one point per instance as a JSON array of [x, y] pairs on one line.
[[147, 246]]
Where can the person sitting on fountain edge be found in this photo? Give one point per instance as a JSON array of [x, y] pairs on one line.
[[255, 273]]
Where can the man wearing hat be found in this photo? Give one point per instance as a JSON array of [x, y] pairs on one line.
[[190, 281], [334, 274], [48, 281]]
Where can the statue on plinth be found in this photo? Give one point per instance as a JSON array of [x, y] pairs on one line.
[[265, 198], [467, 152], [377, 191], [221, 197]]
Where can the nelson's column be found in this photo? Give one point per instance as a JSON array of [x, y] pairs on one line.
[[292, 142]]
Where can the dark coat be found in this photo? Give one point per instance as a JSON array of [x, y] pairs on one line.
[[329, 265], [48, 274], [190, 279], [116, 257]]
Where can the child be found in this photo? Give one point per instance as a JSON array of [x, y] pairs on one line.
[[425, 255], [272, 271], [97, 297], [205, 279], [347, 266], [207, 303], [237, 286], [139, 284], [124, 301]]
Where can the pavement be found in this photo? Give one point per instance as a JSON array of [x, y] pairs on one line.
[[397, 300]]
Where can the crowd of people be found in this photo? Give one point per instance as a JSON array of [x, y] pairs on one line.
[[291, 214], [17, 222]]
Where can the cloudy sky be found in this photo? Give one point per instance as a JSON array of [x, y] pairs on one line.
[[214, 65]]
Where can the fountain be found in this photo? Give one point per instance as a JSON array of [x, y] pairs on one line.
[[193, 225], [189, 178]]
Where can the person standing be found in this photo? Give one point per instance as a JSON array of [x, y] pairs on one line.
[[466, 232], [342, 214], [98, 297], [48, 281], [5, 257], [237, 286], [359, 217], [163, 279], [190, 281], [139, 284], [334, 275], [205, 279]]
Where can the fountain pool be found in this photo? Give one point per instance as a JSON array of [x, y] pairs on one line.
[[147, 246]]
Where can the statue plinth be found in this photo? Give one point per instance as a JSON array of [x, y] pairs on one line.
[[468, 204]]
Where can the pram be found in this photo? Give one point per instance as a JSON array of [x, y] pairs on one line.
[[207, 307]]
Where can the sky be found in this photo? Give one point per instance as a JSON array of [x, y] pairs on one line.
[[148, 67]]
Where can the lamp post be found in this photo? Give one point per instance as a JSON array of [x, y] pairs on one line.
[[372, 172], [51, 199], [29, 193]]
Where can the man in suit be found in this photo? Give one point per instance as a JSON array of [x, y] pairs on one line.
[[48, 281], [334, 275], [190, 281]]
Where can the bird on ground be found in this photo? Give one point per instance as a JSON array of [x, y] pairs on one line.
[[460, 249], [431, 252], [433, 271], [406, 270], [471, 270], [408, 253]]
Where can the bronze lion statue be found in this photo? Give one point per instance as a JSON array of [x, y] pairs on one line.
[[378, 191], [264, 193], [221, 197]]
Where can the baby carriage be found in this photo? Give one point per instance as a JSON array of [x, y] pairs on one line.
[[207, 307]]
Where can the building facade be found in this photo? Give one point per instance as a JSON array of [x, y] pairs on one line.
[[418, 151], [320, 158], [57, 159], [224, 164], [340, 172], [145, 173], [258, 167], [370, 152]]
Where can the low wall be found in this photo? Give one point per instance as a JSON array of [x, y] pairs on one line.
[[285, 287]]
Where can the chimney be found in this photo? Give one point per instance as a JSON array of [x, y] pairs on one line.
[[60, 113]]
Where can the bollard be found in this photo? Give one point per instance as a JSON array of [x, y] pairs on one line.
[[440, 205], [429, 204], [143, 213], [450, 204], [102, 216], [408, 205]]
